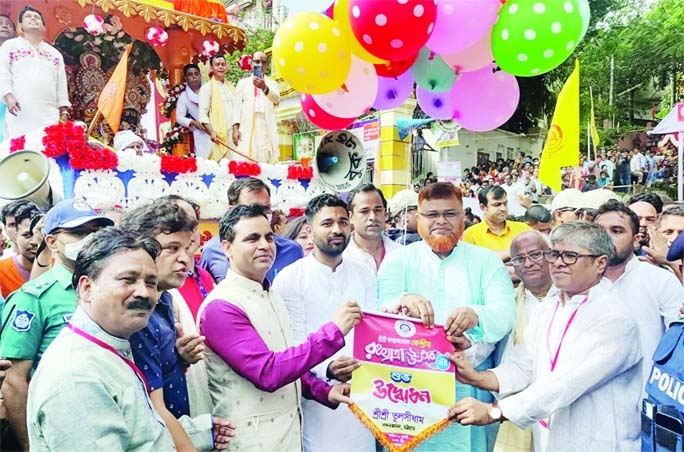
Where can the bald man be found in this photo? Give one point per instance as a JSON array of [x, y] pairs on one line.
[[255, 132]]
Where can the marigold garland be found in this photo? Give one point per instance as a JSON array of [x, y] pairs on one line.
[[243, 169], [176, 164]]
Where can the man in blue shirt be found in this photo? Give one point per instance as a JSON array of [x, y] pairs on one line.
[[154, 348], [247, 191]]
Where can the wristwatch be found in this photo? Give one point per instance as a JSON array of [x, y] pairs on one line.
[[495, 413]]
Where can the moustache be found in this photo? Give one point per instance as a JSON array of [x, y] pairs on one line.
[[140, 304]]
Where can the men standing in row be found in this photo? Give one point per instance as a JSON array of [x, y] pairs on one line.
[[255, 132], [88, 393], [463, 287], [368, 215], [216, 107], [256, 373], [495, 232], [249, 190], [187, 110], [154, 347], [312, 289], [580, 358], [32, 78], [37, 312], [651, 294]]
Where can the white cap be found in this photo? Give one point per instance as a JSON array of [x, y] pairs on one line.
[[125, 138], [593, 199], [401, 201], [570, 197]]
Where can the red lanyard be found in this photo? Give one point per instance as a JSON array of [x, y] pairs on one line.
[[554, 359], [108, 347]]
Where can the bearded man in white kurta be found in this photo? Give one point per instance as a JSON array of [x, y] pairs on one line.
[[313, 288], [255, 132], [32, 78], [578, 372]]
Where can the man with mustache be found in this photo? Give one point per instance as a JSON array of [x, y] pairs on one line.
[[464, 287], [154, 346], [16, 270], [313, 288], [578, 371], [87, 393], [257, 375], [37, 312], [368, 215]]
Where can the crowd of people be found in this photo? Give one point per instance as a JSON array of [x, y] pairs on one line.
[[124, 334]]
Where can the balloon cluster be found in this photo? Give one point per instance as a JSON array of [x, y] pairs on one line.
[[463, 55]]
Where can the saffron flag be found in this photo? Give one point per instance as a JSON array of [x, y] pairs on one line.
[[406, 384], [562, 143], [592, 125], [111, 100]]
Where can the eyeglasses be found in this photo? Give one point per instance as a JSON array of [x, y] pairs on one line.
[[449, 215], [534, 256], [567, 257]]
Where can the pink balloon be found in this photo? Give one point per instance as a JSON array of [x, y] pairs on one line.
[[357, 93], [392, 92], [484, 99], [473, 58], [392, 30], [462, 23], [435, 105], [320, 117]]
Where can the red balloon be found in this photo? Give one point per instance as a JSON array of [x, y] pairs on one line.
[[392, 30], [395, 68], [320, 117]]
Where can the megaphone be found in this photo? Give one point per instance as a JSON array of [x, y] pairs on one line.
[[24, 175], [340, 160]]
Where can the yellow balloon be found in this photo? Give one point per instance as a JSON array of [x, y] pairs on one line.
[[341, 15], [311, 53]]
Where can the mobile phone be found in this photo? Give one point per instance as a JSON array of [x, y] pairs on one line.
[[257, 70]]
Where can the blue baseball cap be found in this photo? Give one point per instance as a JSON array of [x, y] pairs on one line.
[[676, 250], [70, 214]]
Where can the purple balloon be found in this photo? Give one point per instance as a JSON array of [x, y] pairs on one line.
[[435, 105], [392, 92], [484, 99]]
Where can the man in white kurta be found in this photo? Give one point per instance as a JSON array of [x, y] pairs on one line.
[[578, 371], [652, 295], [216, 108], [313, 288], [255, 131], [448, 282], [32, 79], [187, 110]]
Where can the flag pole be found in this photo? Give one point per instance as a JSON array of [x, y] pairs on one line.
[[93, 123]]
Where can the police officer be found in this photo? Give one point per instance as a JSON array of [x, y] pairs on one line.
[[35, 314]]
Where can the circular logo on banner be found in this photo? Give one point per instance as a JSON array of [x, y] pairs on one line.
[[404, 328], [442, 362]]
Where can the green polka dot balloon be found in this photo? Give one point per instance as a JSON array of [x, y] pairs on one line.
[[532, 37]]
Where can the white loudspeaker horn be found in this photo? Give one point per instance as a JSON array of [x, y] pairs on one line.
[[24, 175], [340, 160]]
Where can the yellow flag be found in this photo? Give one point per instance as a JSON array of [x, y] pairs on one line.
[[562, 143], [111, 100], [592, 124]]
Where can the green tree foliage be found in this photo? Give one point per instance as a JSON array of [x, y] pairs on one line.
[[258, 39]]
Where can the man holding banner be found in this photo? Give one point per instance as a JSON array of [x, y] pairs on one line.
[[313, 288], [578, 372], [463, 287]]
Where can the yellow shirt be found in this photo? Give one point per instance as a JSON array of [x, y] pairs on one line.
[[480, 235]]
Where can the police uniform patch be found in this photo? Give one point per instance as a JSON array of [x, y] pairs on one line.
[[22, 320]]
